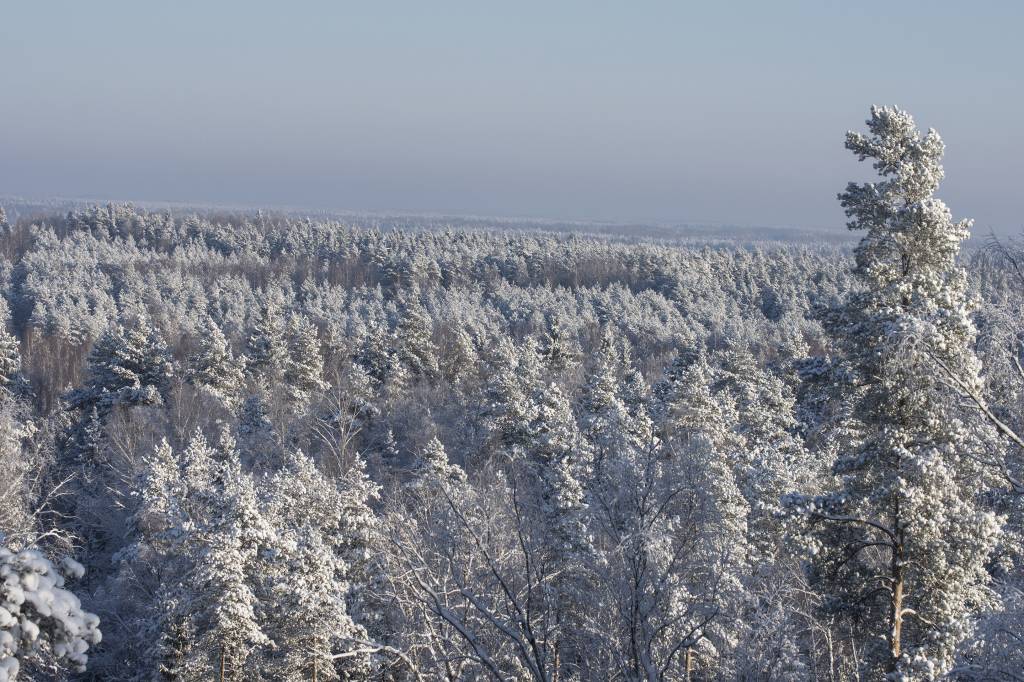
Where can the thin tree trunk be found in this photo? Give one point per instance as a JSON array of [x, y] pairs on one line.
[[314, 670], [896, 619], [688, 659], [830, 641], [222, 664], [896, 604]]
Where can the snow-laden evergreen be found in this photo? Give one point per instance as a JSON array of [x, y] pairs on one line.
[[904, 540], [214, 366], [39, 618]]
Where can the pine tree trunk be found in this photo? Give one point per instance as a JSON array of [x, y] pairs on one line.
[[314, 670], [896, 603], [688, 663], [222, 664]]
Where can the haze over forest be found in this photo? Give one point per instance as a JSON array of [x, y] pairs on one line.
[[678, 113]]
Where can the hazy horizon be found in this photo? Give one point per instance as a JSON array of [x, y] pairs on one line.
[[591, 112]]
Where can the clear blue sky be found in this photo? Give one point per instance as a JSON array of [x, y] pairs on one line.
[[714, 112]]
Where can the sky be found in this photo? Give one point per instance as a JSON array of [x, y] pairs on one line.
[[727, 113]]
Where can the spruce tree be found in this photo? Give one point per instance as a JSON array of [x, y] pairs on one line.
[[179, 501], [458, 357], [671, 525], [635, 395], [772, 460], [128, 367], [379, 357], [563, 462], [688, 409]]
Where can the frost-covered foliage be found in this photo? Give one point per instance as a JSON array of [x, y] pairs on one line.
[[128, 366], [214, 366], [40, 620], [288, 448], [905, 535]]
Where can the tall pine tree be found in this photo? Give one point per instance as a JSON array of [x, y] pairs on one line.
[[904, 538]]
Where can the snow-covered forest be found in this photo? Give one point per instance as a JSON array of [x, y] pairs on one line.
[[258, 447]]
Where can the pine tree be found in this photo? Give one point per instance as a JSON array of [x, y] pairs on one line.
[[128, 366], [433, 468], [223, 609], [267, 349], [771, 461], [308, 578], [304, 367], [562, 462], [602, 412], [11, 379], [509, 404], [904, 539], [558, 350], [214, 366], [416, 349]]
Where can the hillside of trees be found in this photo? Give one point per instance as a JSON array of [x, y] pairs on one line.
[[261, 447]]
